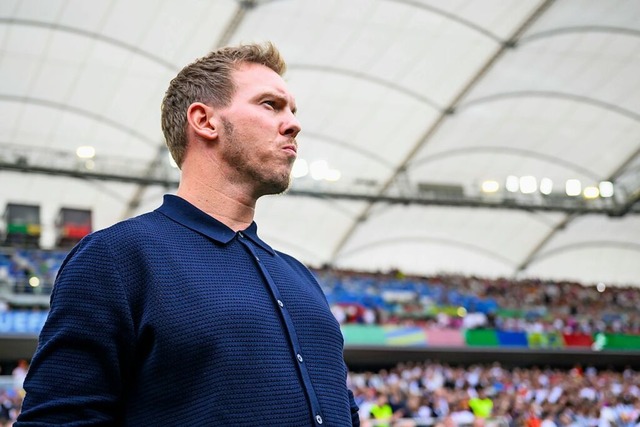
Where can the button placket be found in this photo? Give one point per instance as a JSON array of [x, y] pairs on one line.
[[290, 329]]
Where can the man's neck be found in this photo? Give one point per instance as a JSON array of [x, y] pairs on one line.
[[227, 204]]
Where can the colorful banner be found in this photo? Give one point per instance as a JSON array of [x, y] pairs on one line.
[[445, 338], [621, 342], [408, 336], [405, 336], [29, 323], [577, 340], [481, 338]]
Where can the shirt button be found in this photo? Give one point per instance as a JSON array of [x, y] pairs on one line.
[[280, 303], [318, 419], [299, 357], [240, 234]]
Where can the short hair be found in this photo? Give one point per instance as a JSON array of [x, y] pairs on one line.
[[209, 80]]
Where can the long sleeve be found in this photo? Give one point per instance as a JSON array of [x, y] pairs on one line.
[[355, 417], [76, 375]]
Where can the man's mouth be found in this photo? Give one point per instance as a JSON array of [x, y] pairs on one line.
[[291, 148]]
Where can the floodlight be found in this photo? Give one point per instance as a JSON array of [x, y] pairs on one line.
[[573, 187]]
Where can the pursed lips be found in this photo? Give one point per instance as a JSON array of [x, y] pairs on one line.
[[292, 148]]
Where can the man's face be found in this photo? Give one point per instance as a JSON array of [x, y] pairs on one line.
[[258, 131]]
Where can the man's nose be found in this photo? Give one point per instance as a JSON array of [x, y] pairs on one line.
[[291, 127]]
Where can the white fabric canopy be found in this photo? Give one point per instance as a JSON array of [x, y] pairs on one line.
[[388, 91]]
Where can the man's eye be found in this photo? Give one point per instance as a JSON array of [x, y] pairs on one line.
[[271, 104]]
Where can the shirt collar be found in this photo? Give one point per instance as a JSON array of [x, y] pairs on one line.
[[183, 212]]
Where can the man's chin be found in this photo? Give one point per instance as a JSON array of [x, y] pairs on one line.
[[276, 187]]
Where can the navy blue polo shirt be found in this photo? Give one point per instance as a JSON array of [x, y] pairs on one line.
[[172, 318]]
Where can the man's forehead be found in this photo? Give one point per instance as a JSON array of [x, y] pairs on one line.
[[260, 78]]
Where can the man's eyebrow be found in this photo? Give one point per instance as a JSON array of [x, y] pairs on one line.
[[281, 97]]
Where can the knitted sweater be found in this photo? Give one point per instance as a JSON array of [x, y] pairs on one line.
[[172, 318]]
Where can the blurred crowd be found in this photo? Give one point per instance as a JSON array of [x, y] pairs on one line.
[[436, 394], [442, 301], [451, 301], [12, 393]]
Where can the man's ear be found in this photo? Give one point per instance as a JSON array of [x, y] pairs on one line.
[[201, 120]]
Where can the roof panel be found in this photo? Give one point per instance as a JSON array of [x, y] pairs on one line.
[[595, 66], [180, 44], [17, 73], [122, 20], [26, 41], [528, 136], [304, 227], [422, 257], [79, 14], [353, 122], [505, 237], [590, 265], [53, 81], [378, 39], [495, 16], [595, 228], [371, 80], [578, 13], [48, 11]]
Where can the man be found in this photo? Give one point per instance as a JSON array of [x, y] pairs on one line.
[[184, 316]]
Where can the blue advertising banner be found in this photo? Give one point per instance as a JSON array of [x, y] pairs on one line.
[[22, 322]]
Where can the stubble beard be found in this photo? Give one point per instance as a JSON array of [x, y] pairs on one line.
[[267, 181]]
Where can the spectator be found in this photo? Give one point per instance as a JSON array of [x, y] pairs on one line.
[[481, 404], [19, 374], [381, 411]]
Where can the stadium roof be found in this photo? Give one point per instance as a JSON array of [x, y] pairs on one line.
[[407, 107]]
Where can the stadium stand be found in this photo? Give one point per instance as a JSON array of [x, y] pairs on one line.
[[392, 312], [432, 393]]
